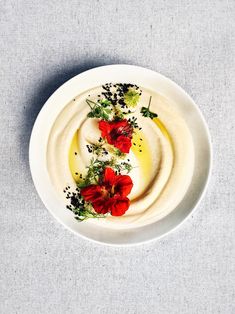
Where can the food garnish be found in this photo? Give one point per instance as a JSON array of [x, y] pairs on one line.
[[105, 187]]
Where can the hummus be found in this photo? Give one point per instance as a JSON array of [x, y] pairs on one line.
[[162, 157]]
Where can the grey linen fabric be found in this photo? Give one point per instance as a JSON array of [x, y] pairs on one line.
[[45, 268]]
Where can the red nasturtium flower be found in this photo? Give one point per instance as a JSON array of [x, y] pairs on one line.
[[117, 133], [111, 193]]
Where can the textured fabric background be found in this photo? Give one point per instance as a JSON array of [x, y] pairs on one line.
[[45, 268]]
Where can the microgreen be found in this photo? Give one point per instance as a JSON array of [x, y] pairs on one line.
[[131, 97], [99, 109]]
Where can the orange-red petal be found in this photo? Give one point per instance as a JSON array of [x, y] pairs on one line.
[[104, 127], [100, 206], [123, 143], [109, 177], [91, 193], [123, 185], [118, 205]]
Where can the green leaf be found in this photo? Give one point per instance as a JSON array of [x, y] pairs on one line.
[[108, 111], [105, 102], [147, 113], [105, 116], [90, 114]]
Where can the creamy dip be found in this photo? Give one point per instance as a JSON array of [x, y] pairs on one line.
[[162, 157]]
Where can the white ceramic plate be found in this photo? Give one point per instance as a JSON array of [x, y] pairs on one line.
[[145, 78]]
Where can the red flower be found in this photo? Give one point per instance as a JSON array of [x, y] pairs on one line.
[[117, 133], [110, 195]]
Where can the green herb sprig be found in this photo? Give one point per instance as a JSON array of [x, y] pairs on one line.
[[147, 113], [97, 148], [100, 109], [123, 166]]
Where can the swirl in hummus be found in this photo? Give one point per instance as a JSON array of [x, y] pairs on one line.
[[161, 155]]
